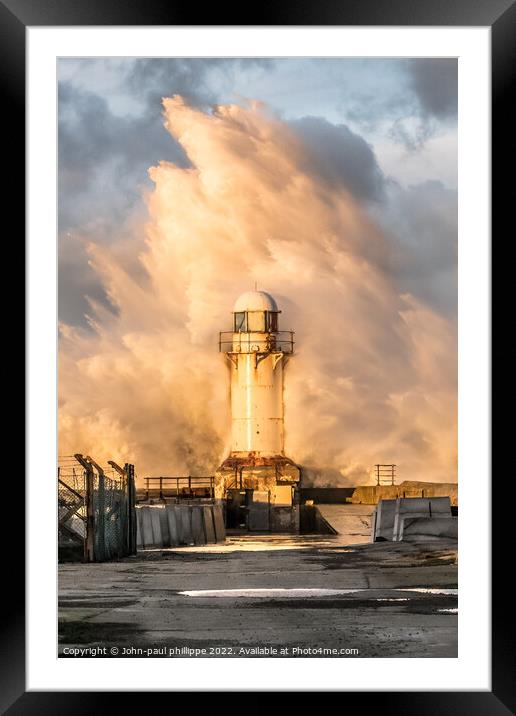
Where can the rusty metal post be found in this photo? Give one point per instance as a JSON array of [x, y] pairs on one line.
[[102, 552], [131, 512], [117, 468], [89, 542], [128, 488]]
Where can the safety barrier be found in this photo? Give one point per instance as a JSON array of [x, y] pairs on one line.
[[391, 516], [176, 525]]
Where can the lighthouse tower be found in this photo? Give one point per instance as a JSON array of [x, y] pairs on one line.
[[257, 352]]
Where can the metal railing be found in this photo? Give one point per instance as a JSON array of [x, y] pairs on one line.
[[277, 342], [179, 486], [385, 474]]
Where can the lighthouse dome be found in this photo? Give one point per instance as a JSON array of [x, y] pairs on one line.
[[255, 301]]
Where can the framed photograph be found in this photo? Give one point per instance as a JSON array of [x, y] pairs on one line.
[[258, 290]]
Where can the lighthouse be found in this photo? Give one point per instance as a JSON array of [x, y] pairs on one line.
[[257, 352]]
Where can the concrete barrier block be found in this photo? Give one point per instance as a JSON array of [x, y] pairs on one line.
[[173, 525], [147, 534], [428, 528], [163, 519], [156, 526], [198, 535], [185, 512], [384, 520], [414, 504], [218, 520], [440, 506], [426, 507], [432, 505], [390, 513], [208, 524], [139, 537]]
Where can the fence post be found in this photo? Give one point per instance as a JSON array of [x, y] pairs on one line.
[[131, 509], [102, 550], [89, 542]]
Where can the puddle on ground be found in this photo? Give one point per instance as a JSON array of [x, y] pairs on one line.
[[263, 543], [293, 593], [430, 590], [309, 592]]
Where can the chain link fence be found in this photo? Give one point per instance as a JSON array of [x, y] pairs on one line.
[[96, 509]]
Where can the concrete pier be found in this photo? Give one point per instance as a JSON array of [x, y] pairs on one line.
[[293, 592]]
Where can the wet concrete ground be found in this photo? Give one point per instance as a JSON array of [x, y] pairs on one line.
[[266, 596]]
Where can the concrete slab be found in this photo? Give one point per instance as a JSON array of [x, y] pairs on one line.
[[163, 518], [147, 533], [209, 527], [390, 513], [198, 535], [185, 512], [139, 537], [156, 526], [173, 526], [384, 520], [352, 521], [218, 520], [425, 528], [419, 507]]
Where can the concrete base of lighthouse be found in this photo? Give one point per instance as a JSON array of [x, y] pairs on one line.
[[260, 493]]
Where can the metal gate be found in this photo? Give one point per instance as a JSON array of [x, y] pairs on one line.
[[96, 511]]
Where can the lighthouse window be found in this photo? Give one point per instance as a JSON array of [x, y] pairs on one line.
[[240, 322], [256, 320], [273, 321]]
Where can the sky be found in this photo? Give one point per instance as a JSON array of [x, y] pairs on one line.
[[343, 176]]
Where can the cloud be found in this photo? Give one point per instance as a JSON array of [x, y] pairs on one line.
[[435, 84], [374, 377], [198, 80], [341, 156], [423, 103], [104, 154], [103, 162], [420, 223]]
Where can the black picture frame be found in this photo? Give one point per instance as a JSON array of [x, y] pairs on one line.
[[500, 15]]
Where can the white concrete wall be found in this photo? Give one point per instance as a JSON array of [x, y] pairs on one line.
[[428, 528], [175, 525], [390, 514]]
